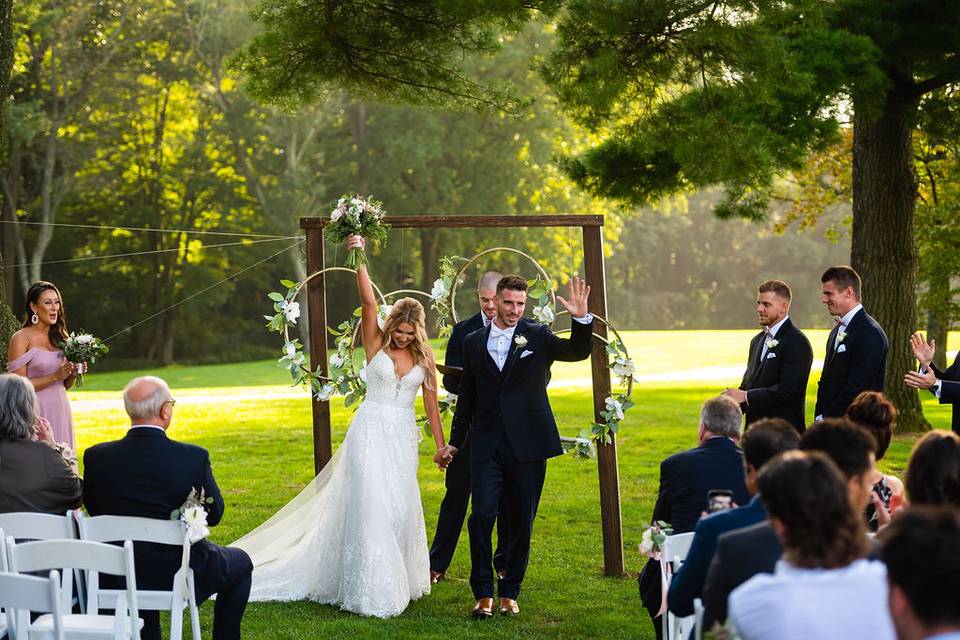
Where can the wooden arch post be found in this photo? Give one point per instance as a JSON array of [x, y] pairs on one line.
[[591, 226]]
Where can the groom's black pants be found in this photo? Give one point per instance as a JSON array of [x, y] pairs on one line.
[[502, 485], [453, 511]]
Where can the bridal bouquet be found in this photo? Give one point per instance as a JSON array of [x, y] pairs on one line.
[[358, 216], [83, 348], [194, 515]]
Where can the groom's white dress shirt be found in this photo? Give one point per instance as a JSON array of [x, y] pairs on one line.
[[498, 342]]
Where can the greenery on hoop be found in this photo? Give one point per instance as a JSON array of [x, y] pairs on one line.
[[441, 296]]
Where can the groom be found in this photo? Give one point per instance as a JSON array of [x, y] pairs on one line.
[[503, 404]]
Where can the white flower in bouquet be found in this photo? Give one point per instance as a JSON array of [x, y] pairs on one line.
[[439, 291], [623, 367], [84, 338], [336, 360], [544, 314], [290, 310], [615, 408], [195, 518], [325, 392], [83, 348], [354, 215]]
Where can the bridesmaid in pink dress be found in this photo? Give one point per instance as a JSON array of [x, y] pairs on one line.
[[35, 354]]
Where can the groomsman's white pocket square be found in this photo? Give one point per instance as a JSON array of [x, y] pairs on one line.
[[841, 348], [771, 355], [525, 354]]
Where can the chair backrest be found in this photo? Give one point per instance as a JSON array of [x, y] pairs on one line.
[[37, 526], [21, 595], [93, 557], [120, 528], [676, 547]]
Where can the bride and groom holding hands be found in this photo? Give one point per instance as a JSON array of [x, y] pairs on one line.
[[355, 536]]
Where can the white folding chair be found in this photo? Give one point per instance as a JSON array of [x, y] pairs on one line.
[[27, 526], [674, 551], [697, 619], [21, 595], [170, 532], [94, 558]]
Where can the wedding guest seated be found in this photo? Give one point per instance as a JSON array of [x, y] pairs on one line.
[[923, 572], [147, 474], [34, 476], [686, 477], [764, 440], [933, 471], [742, 554], [822, 587], [875, 413]]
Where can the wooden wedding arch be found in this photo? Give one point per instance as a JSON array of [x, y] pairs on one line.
[[591, 228]]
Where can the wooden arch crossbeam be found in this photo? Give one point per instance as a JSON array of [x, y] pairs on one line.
[[591, 227]]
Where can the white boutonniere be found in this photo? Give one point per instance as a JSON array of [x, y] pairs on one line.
[[771, 343], [841, 336], [520, 341]]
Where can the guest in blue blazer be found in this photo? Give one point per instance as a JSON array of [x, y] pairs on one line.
[[766, 439], [686, 477], [148, 475]]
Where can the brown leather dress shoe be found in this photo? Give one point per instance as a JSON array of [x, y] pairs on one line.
[[483, 609], [509, 607], [436, 576]]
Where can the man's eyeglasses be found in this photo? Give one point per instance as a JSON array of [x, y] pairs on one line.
[[171, 402]]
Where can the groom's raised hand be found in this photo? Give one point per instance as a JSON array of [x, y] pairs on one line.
[[579, 293]]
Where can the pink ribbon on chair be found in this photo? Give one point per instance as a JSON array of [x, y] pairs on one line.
[[666, 573]]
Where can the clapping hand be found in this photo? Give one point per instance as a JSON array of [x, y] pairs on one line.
[[44, 431], [65, 370], [922, 351], [918, 380], [579, 292]]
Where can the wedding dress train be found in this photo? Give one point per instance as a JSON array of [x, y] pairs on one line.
[[355, 536]]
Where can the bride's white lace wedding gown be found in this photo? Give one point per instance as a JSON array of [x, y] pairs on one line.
[[355, 536]]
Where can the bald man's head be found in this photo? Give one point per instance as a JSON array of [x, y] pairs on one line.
[[145, 399], [487, 293]]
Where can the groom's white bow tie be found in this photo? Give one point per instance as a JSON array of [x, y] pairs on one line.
[[496, 332]]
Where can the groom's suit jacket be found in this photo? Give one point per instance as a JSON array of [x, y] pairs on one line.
[[858, 364], [777, 385], [951, 374], [513, 403]]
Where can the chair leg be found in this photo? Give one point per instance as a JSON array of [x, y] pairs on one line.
[[194, 610], [176, 621]]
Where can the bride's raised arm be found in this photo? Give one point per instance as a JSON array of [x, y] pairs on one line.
[[370, 332]]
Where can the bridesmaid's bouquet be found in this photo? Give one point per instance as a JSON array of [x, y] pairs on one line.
[[83, 348], [358, 216]]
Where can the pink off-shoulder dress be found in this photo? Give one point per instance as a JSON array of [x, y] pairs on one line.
[[53, 401]]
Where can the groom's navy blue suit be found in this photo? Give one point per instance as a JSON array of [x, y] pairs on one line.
[[453, 508], [512, 432]]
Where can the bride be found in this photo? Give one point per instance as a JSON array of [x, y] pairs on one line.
[[355, 536]]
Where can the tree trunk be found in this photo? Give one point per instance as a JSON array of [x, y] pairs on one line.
[[883, 248], [8, 323], [11, 199], [938, 323]]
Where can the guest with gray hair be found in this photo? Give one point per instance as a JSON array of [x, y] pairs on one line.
[[34, 476], [686, 478], [149, 475]]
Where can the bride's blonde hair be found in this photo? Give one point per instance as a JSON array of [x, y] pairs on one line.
[[410, 311]]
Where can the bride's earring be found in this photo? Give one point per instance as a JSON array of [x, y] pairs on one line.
[[34, 319]]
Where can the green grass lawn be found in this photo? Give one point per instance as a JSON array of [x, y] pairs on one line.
[[258, 432]]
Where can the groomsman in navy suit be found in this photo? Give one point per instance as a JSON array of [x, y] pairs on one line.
[[503, 405], [856, 348], [453, 508], [775, 382], [931, 376]]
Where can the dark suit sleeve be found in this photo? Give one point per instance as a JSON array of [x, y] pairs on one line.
[[750, 364], [211, 490], [949, 392], [65, 487], [454, 357], [90, 494], [576, 347], [466, 402], [686, 584], [716, 589], [865, 360], [794, 371], [661, 510]]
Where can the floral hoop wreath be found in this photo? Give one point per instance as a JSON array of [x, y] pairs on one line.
[[541, 288]]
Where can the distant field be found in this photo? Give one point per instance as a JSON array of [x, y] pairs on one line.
[[258, 430]]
